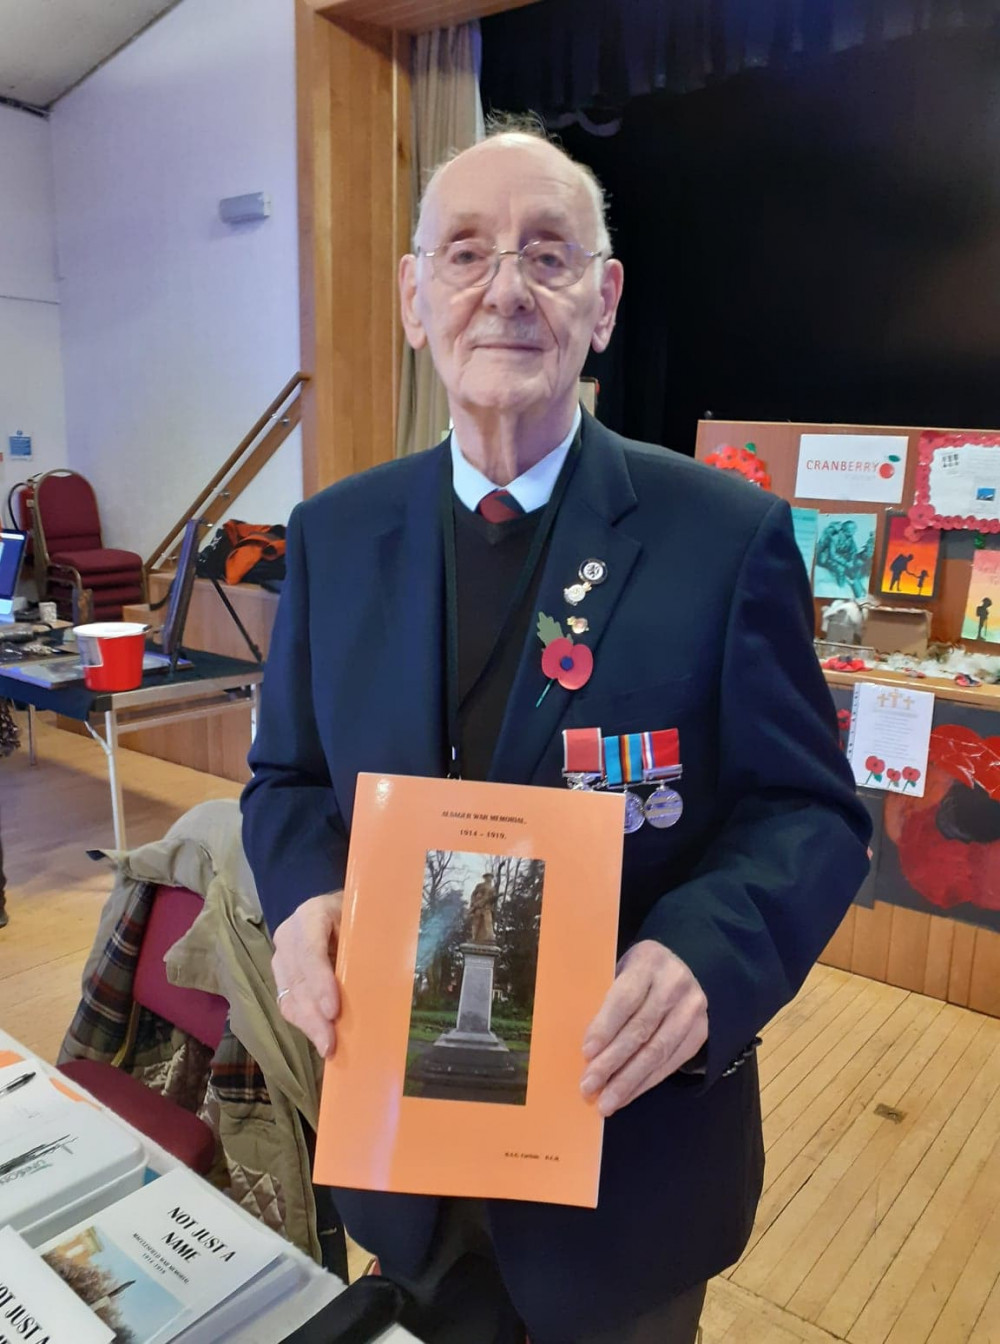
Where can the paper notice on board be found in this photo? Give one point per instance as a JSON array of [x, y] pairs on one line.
[[964, 481], [890, 737], [869, 467]]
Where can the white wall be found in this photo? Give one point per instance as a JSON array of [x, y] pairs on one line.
[[177, 329], [31, 377]]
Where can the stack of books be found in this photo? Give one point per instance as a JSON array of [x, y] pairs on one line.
[[81, 1260]]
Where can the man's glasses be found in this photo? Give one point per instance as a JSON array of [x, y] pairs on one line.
[[471, 262]]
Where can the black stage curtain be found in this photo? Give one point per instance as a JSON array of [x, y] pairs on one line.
[[559, 57], [811, 243]]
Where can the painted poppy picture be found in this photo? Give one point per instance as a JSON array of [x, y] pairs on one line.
[[940, 852]]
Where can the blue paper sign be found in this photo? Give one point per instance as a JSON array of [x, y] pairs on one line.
[[20, 445]]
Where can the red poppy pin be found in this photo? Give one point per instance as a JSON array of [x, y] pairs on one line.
[[563, 661]]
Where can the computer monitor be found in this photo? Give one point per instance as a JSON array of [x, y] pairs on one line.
[[12, 546]]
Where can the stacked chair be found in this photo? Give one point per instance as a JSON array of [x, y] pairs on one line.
[[69, 553]]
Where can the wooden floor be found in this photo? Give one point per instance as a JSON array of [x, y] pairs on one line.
[[50, 815], [880, 1221]]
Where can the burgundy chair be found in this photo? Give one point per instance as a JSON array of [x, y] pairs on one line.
[[196, 1012], [19, 507], [71, 554]]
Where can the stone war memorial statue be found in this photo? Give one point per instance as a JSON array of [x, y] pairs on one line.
[[481, 908], [470, 1058]]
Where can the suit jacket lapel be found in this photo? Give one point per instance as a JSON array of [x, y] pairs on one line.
[[599, 494], [411, 573]]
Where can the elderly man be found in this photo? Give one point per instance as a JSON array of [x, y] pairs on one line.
[[406, 641]]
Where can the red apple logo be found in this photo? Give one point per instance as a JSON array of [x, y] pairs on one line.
[[887, 470]]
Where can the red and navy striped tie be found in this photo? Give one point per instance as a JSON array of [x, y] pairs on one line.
[[499, 506]]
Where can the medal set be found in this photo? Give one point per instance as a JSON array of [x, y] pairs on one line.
[[627, 764], [592, 573]]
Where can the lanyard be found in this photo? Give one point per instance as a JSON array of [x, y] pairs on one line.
[[538, 542]]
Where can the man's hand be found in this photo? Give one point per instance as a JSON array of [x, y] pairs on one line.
[[653, 1020], [304, 946]]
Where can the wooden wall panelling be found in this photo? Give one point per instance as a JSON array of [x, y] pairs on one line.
[[984, 977], [217, 745], [840, 949], [909, 934], [940, 940], [209, 626], [960, 973], [872, 931], [928, 954], [354, 161], [415, 16], [315, 228]]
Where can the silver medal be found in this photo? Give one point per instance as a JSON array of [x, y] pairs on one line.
[[663, 807], [593, 571], [634, 816]]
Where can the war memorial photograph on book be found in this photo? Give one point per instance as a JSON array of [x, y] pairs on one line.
[[115, 1286], [474, 978]]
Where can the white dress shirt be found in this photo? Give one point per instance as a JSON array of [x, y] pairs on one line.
[[531, 489]]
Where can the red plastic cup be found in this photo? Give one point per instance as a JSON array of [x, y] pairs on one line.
[[111, 653]]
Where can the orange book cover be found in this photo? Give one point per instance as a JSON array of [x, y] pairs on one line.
[[477, 944]]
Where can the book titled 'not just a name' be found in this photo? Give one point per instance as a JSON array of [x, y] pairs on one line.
[[174, 1260]]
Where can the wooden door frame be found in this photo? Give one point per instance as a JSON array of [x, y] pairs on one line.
[[354, 151]]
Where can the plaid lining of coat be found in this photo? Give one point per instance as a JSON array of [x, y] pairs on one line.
[[100, 1024]]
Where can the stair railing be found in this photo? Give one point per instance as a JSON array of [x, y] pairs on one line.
[[244, 463]]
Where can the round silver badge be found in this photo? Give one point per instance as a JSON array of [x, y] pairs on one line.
[[663, 807], [593, 571], [634, 816], [575, 593]]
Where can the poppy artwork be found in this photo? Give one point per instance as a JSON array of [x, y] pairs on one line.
[[940, 853], [909, 558], [888, 736]]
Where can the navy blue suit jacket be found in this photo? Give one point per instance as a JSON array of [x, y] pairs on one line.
[[704, 624]]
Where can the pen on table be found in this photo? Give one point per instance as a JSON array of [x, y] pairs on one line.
[[18, 1082]]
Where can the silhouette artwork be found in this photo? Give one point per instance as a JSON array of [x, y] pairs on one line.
[[909, 559], [983, 612], [898, 568]]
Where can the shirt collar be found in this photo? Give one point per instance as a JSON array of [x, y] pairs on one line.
[[531, 489]]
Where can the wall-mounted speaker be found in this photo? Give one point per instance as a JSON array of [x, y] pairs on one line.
[[242, 209]]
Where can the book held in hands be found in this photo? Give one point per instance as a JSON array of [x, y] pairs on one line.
[[477, 943]]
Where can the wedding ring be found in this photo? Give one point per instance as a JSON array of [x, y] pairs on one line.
[[282, 993]]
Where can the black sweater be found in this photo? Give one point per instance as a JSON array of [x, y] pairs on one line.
[[489, 558]]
